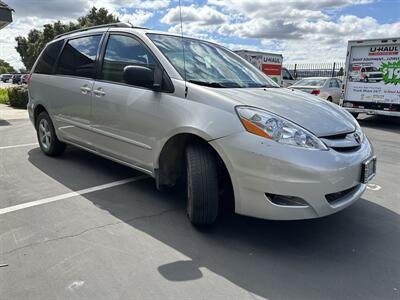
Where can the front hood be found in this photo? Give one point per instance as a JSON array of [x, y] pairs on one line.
[[320, 117]]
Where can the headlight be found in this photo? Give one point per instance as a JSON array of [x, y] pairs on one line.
[[359, 132], [278, 129]]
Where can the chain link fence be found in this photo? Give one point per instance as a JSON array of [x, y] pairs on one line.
[[304, 70]]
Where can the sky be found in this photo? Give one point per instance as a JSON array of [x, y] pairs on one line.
[[304, 31]]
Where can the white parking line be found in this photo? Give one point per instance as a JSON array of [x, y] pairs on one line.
[[17, 146], [69, 195]]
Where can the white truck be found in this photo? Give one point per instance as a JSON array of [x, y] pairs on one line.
[[270, 64], [372, 77]]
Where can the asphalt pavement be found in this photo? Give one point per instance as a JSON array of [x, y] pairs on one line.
[[83, 227]]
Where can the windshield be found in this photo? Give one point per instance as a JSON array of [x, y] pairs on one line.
[[310, 82], [208, 64], [371, 69]]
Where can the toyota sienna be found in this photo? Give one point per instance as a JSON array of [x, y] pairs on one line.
[[178, 108]]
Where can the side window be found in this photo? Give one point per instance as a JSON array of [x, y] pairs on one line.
[[122, 51], [334, 84], [48, 58], [78, 57]]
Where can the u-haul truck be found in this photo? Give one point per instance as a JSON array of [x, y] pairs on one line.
[[269, 63], [372, 78]]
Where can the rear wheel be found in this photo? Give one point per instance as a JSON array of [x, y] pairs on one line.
[[48, 141], [202, 185], [329, 99]]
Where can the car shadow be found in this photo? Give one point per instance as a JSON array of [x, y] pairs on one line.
[[353, 254], [391, 124], [4, 123]]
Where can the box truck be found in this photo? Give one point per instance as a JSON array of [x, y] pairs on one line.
[[372, 77], [270, 64]]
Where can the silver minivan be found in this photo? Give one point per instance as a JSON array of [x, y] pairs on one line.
[[178, 108]]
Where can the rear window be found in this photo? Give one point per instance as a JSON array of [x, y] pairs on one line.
[[79, 56], [48, 58], [311, 82]]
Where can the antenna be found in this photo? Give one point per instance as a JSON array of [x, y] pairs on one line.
[[183, 49]]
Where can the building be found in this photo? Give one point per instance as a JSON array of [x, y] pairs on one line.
[[5, 15]]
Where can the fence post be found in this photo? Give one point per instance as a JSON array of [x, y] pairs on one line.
[[295, 71], [333, 70]]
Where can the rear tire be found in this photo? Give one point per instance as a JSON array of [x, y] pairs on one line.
[[329, 99], [202, 185], [48, 141]]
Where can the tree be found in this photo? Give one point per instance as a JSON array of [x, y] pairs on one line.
[[30, 47], [5, 67]]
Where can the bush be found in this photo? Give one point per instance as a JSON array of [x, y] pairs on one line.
[[18, 96], [3, 96]]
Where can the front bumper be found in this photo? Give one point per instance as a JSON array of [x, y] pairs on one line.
[[258, 167]]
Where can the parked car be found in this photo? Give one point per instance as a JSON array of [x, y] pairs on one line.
[[215, 121], [16, 78], [323, 87], [5, 77], [25, 78]]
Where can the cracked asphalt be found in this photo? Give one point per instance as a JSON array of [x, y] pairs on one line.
[[132, 242]]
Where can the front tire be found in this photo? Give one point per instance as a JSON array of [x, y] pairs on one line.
[[48, 141], [202, 185]]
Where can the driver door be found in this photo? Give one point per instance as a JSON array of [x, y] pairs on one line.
[[124, 116]]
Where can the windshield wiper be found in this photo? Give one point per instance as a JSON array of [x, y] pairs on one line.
[[264, 86], [210, 84]]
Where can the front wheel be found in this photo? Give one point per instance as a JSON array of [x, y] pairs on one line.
[[202, 185], [48, 141]]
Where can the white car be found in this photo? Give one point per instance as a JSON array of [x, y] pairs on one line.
[[324, 87], [209, 118]]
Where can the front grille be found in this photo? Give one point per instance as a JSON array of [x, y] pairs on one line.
[[336, 198], [346, 149], [343, 142]]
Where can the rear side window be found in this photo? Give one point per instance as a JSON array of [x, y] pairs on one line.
[[79, 57], [333, 84], [48, 58], [122, 51]]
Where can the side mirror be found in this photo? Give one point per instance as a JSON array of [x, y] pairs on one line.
[[139, 76]]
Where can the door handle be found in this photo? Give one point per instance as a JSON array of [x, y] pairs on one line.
[[99, 92], [85, 89]]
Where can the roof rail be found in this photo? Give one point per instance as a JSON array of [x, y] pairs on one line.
[[120, 24]]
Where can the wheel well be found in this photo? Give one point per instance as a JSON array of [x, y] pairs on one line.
[[38, 109], [171, 162]]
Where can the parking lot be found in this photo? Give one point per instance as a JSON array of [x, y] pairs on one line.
[[80, 227]]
